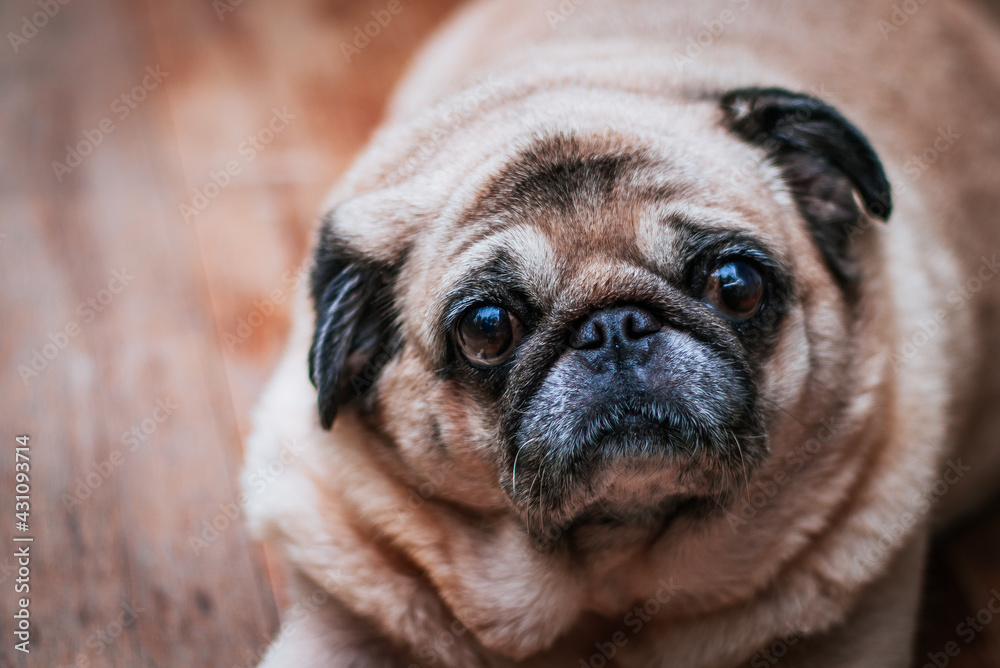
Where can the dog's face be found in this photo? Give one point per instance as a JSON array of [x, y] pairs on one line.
[[594, 324]]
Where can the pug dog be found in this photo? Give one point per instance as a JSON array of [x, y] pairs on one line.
[[646, 334]]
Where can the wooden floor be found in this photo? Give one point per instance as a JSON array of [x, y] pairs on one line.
[[145, 300]]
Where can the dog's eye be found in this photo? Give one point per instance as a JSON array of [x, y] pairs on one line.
[[487, 334], [736, 289]]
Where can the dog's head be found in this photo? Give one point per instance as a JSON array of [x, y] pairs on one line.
[[599, 309]]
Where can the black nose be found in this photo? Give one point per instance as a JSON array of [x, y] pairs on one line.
[[619, 332]]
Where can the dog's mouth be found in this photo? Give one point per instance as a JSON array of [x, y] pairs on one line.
[[599, 523], [631, 430], [661, 516], [640, 464], [645, 429]]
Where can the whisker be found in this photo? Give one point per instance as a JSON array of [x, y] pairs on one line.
[[782, 409], [513, 472]]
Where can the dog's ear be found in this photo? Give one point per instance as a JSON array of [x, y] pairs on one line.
[[355, 332], [824, 160]]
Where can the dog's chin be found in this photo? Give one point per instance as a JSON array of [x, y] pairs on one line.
[[638, 468], [611, 525], [631, 508]]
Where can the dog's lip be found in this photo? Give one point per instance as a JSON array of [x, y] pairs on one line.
[[691, 506], [663, 516], [639, 423]]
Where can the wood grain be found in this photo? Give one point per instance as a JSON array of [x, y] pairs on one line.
[[127, 569], [133, 573]]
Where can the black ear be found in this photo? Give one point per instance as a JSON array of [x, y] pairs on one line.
[[355, 334], [824, 160]]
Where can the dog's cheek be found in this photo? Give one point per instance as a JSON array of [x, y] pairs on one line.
[[444, 438], [404, 404]]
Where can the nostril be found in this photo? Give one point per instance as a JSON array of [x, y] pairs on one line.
[[590, 335], [637, 324], [619, 325], [629, 326]]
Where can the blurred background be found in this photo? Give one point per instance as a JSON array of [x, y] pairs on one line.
[[161, 168]]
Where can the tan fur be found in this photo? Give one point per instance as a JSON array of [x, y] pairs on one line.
[[417, 545]]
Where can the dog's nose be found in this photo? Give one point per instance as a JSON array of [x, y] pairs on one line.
[[618, 332]]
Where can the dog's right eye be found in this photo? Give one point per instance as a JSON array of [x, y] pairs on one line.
[[735, 289], [487, 334]]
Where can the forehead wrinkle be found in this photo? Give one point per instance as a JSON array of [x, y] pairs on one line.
[[524, 245], [605, 229], [660, 231], [531, 251], [604, 223]]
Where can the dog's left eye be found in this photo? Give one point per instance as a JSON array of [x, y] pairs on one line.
[[487, 334], [736, 289]]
